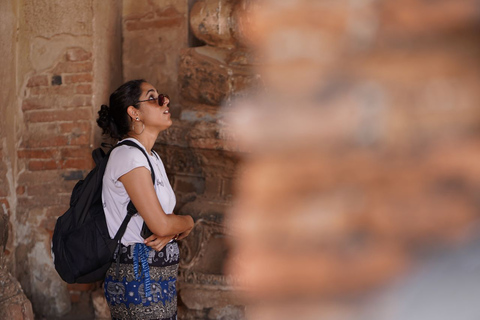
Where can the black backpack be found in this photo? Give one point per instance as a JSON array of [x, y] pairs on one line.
[[82, 249]]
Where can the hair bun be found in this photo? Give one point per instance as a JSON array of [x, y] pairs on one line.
[[104, 119]]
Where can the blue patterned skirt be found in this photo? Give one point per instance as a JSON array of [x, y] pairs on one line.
[[143, 284]]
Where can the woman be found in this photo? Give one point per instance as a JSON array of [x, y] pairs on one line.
[[142, 285]]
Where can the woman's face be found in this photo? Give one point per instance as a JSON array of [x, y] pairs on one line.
[[151, 113]]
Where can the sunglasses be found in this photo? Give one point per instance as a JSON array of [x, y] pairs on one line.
[[160, 99]]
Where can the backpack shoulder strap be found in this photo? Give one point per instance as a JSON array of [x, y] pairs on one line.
[[133, 144]]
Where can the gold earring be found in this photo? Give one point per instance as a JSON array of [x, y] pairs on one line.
[[133, 127]]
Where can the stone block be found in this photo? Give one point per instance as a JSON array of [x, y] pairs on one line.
[[227, 313], [211, 22], [63, 90], [187, 184], [73, 67], [40, 165], [202, 79], [83, 89], [78, 54], [59, 115], [207, 76], [78, 78], [198, 299], [102, 311], [36, 81]]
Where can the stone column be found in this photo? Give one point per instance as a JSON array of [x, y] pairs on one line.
[[201, 160], [364, 150]]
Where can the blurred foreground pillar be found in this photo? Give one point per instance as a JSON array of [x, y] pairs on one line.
[[363, 152]]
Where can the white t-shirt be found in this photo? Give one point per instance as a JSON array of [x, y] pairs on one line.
[[124, 159]]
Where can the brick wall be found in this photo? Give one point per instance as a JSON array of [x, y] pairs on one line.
[[58, 82], [55, 151]]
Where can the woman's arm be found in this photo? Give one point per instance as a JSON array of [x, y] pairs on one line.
[[139, 186]]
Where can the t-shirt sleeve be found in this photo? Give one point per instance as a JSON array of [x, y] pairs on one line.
[[124, 159]]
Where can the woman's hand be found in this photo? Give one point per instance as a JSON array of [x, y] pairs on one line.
[[156, 242], [183, 235]]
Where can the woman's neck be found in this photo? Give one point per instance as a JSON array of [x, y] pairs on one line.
[[146, 139]]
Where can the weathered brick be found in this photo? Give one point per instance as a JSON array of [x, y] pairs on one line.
[[37, 154], [37, 81], [213, 186], [43, 200], [58, 115], [155, 24], [187, 184], [78, 78], [83, 89], [62, 90], [37, 165], [73, 67], [20, 190], [77, 164], [78, 127], [56, 211], [45, 177], [76, 152], [228, 188], [47, 102], [81, 100], [44, 142], [78, 54], [82, 139], [59, 187], [34, 104], [49, 223]]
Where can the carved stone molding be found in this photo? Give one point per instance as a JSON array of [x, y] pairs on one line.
[[212, 76], [195, 245], [202, 282], [211, 22], [202, 256], [13, 302]]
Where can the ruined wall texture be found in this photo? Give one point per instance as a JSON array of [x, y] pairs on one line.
[[364, 153], [48, 133], [13, 302], [55, 72]]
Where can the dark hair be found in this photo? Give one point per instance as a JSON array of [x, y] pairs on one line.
[[114, 120]]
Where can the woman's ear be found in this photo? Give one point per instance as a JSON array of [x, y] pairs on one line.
[[132, 112]]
